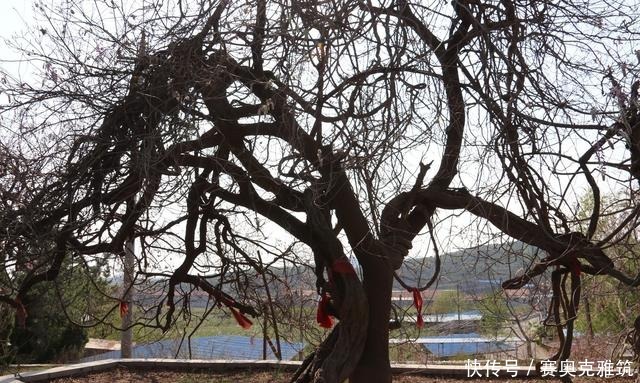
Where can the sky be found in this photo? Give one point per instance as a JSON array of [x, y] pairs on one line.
[[15, 15]]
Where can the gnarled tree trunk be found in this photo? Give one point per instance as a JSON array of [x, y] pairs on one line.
[[374, 364]]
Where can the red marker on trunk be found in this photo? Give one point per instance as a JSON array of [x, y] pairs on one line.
[[417, 301]]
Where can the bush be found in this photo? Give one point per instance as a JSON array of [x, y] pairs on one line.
[[48, 334]]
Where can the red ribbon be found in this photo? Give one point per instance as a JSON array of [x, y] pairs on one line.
[[322, 316], [417, 301], [242, 320], [124, 309], [339, 266], [343, 266]]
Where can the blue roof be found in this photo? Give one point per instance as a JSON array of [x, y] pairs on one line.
[[207, 347], [464, 344], [452, 349]]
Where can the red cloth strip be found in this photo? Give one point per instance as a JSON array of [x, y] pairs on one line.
[[343, 266], [417, 301], [124, 309], [322, 315], [242, 320]]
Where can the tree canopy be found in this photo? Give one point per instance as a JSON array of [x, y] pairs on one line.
[[222, 134]]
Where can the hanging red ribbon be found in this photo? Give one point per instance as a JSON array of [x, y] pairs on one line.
[[322, 316], [242, 320], [417, 301], [124, 309], [343, 266], [339, 266]]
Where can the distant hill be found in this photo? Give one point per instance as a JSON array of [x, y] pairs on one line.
[[473, 270]]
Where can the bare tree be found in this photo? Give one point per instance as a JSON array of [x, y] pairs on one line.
[[191, 125]]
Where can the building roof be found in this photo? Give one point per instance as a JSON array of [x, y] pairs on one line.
[[472, 315], [462, 344]]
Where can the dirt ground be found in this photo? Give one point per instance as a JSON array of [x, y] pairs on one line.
[[123, 375]]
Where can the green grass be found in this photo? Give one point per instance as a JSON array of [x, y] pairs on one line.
[[217, 322]]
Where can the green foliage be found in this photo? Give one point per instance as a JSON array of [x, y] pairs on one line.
[[612, 308], [48, 334], [539, 332], [609, 306], [6, 328], [53, 330], [495, 313], [448, 301]]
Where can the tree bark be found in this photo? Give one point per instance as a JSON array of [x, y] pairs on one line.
[[587, 307], [374, 366], [126, 340]]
